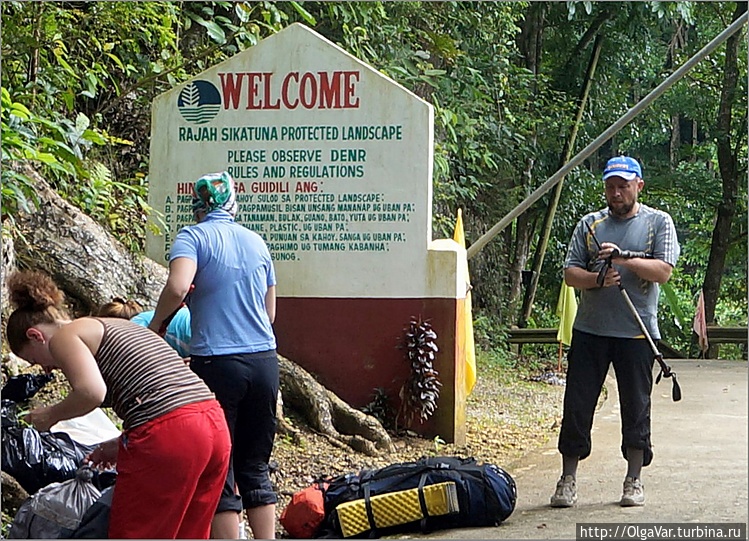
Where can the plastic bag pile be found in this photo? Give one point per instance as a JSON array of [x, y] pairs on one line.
[[49, 466]]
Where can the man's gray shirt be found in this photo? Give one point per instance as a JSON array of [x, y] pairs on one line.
[[603, 311]]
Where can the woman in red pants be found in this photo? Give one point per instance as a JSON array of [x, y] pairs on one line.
[[173, 455]]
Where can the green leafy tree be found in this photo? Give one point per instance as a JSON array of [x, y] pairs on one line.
[[504, 80]]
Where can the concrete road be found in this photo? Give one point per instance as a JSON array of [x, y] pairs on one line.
[[698, 474]]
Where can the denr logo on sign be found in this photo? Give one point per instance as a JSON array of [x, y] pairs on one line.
[[199, 102]]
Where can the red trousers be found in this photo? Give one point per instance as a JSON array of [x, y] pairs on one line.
[[170, 472]]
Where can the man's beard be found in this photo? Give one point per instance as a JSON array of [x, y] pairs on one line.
[[622, 210]]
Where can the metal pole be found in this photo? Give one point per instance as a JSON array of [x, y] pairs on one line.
[[665, 369], [606, 135]]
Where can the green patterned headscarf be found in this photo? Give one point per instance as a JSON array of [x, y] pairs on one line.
[[214, 191]]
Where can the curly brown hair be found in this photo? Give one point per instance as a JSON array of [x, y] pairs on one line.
[[37, 300]]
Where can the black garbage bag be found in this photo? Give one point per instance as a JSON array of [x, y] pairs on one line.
[[9, 414], [36, 459], [24, 386], [56, 510]]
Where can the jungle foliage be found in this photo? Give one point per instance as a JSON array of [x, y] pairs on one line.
[[504, 79]]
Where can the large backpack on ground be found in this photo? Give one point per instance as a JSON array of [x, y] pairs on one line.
[[429, 494]]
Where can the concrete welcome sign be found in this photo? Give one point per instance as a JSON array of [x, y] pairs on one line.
[[333, 167]]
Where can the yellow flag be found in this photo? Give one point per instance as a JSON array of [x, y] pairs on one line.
[[566, 310], [466, 326]]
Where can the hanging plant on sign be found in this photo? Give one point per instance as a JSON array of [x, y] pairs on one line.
[[421, 390]]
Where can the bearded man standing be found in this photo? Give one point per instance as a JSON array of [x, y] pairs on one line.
[[605, 331]]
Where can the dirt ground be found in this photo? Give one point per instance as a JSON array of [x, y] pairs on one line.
[[509, 414]]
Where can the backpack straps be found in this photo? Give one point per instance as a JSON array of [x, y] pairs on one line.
[[370, 513], [423, 504]]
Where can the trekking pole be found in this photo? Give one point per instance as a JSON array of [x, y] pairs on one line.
[[666, 371]]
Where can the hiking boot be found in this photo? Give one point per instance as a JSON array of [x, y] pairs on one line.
[[566, 492], [633, 494]]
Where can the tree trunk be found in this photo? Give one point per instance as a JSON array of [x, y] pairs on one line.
[[521, 245], [328, 414], [91, 267], [728, 165], [13, 494], [675, 143], [531, 47], [80, 255], [8, 265], [605, 14], [530, 38]]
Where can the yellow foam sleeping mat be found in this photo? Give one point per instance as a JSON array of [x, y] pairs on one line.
[[396, 508]]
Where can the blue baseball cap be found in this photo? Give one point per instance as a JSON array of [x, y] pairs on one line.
[[622, 166]]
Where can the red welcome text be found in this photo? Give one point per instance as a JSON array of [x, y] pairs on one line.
[[310, 90]]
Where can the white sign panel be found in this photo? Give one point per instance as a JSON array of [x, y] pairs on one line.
[[332, 163]]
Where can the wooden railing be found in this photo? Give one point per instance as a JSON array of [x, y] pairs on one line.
[[532, 336], [715, 335], [727, 335]]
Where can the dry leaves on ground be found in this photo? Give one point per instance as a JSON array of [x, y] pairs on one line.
[[506, 419]]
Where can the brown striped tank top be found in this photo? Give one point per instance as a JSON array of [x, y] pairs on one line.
[[145, 377]]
